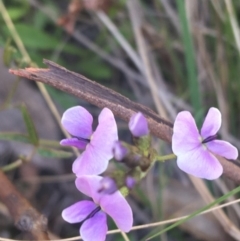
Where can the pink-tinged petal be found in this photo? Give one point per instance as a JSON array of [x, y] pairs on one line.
[[185, 134], [105, 135], [80, 144], [200, 163], [223, 148], [89, 185], [138, 125], [94, 160], [90, 162], [212, 123], [78, 211], [95, 228], [78, 122], [117, 207]]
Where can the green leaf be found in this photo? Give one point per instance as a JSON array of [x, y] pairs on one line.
[[33, 136], [194, 90], [53, 153], [16, 13], [13, 136], [96, 69], [34, 38]]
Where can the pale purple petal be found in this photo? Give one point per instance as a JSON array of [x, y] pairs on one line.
[[80, 144], [138, 125], [223, 148], [89, 185], [117, 207], [78, 122], [212, 123], [95, 228], [90, 162], [106, 134], [200, 163], [94, 160], [78, 211], [185, 134]]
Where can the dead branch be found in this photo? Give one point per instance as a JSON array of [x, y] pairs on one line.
[[98, 95], [25, 217]]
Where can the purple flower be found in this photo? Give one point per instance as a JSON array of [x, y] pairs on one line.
[[195, 151], [138, 125], [98, 145], [93, 213]]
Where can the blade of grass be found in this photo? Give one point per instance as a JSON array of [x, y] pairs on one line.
[[234, 23], [195, 97], [219, 200]]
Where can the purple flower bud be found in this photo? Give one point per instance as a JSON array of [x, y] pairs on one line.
[[138, 125], [108, 186], [130, 182], [119, 151]]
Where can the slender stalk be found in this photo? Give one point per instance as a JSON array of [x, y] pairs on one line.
[[199, 211], [122, 41], [12, 166], [166, 157], [234, 23]]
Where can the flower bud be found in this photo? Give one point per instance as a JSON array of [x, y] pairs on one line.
[[130, 182], [108, 186], [119, 151], [138, 125]]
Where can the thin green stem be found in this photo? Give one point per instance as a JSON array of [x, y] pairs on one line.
[[52, 143], [12, 166], [166, 157]]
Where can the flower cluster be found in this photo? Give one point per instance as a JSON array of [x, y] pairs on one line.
[[139, 155], [93, 161], [196, 154]]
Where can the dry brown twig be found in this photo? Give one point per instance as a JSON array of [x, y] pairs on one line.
[[98, 95], [25, 217]]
